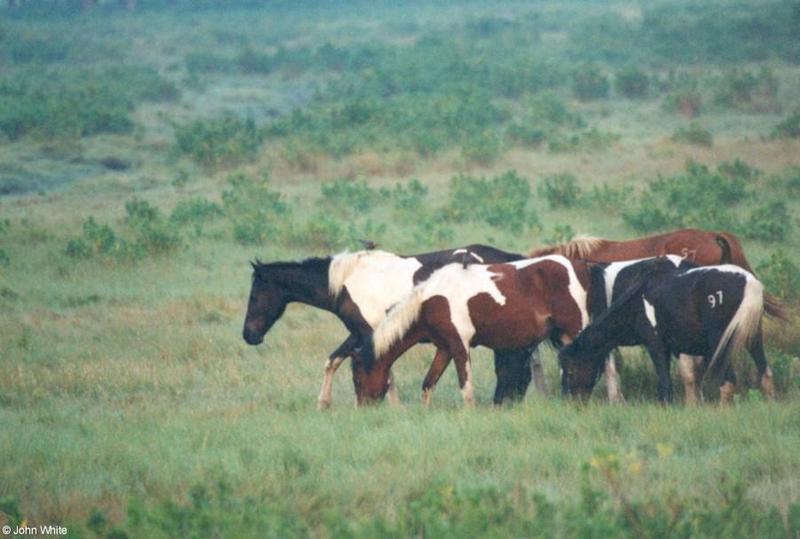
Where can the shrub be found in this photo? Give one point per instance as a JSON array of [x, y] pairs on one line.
[[698, 198], [353, 195], [561, 233], [769, 222], [780, 276], [196, 212], [689, 103], [410, 196], [738, 170], [152, 234], [694, 134], [788, 128], [77, 103], [500, 202], [589, 82], [632, 83], [483, 148], [606, 197], [23, 50], [219, 142], [560, 190], [743, 90], [96, 239], [256, 212]]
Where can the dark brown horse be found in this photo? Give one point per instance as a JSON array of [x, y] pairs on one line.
[[704, 248], [500, 306]]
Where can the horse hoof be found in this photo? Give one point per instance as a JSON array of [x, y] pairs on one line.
[[323, 405]]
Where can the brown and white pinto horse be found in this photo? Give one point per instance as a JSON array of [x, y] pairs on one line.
[[500, 306]]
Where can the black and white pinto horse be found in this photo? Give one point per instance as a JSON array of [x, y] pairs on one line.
[[359, 288], [670, 309]]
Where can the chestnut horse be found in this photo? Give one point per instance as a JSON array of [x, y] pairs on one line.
[[501, 306], [702, 247]]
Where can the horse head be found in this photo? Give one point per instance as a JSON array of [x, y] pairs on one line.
[[266, 304], [370, 378], [580, 369]]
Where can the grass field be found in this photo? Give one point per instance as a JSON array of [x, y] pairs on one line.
[[146, 157]]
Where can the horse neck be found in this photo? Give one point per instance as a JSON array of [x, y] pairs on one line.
[[305, 283]]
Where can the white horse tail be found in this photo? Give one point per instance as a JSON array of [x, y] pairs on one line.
[[746, 320]]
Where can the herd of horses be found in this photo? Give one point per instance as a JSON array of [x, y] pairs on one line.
[[689, 293]]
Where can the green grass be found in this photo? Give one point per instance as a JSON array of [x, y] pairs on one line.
[[129, 404]]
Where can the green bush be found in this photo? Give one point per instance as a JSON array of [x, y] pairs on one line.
[[561, 233], [780, 276], [96, 239], [24, 50], [68, 104], [632, 83], [742, 90], [196, 212], [687, 102], [350, 195], [502, 201], [146, 233], [560, 190], [698, 198], [257, 213], [694, 134], [408, 197], [219, 142], [589, 82], [788, 128], [769, 222], [606, 197]]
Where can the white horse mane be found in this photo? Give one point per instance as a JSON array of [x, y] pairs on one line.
[[343, 265]]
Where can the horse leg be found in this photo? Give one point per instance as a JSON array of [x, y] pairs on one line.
[[334, 360], [440, 362], [513, 371], [756, 349], [660, 357], [727, 388], [686, 368], [391, 394], [460, 354], [537, 371], [612, 378]]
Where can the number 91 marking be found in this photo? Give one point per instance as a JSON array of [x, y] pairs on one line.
[[712, 298]]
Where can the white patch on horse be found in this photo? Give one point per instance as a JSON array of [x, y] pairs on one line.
[[458, 285], [469, 253], [375, 280], [650, 312], [576, 290], [612, 272]]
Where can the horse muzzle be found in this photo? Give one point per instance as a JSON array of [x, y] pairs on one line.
[[251, 337]]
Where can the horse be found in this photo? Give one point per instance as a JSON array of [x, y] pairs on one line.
[[501, 306], [359, 288], [704, 311], [704, 248]]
